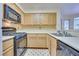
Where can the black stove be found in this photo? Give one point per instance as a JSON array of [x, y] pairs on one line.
[[19, 38], [19, 35], [19, 50]]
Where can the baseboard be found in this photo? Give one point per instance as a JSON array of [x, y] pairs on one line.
[[37, 47]]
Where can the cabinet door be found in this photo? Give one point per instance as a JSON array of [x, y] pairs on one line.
[[53, 47], [48, 43], [28, 19], [42, 40], [35, 19], [52, 19], [31, 40], [7, 44], [36, 41], [9, 52], [44, 19], [8, 47]]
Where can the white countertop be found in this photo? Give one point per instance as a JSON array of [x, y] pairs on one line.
[[71, 41], [7, 37]]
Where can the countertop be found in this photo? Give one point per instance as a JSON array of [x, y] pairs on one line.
[[71, 41], [7, 37]]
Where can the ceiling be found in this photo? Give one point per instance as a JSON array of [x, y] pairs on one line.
[[65, 8]]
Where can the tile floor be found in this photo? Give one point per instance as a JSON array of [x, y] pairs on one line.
[[37, 52]]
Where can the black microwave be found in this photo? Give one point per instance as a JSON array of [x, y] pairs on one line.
[[11, 14]]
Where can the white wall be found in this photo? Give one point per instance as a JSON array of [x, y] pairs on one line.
[[58, 26], [1, 12]]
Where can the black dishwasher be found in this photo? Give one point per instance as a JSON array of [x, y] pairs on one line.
[[66, 50]]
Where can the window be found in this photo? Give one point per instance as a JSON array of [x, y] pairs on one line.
[[66, 24], [76, 23]]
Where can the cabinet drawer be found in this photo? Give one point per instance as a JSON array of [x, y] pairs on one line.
[[7, 44], [9, 52]]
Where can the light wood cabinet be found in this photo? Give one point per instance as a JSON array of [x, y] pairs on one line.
[[40, 19], [48, 43], [27, 19], [52, 45], [9, 52], [8, 47], [44, 19], [37, 40], [52, 19], [7, 44], [35, 19], [31, 19]]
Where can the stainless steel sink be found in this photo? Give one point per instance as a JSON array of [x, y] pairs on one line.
[[61, 35]]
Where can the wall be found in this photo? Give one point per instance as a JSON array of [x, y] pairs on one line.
[[1, 16], [58, 24], [17, 9]]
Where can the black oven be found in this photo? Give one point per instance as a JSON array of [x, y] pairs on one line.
[[20, 40], [20, 44]]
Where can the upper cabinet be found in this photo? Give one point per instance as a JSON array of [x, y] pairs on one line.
[[44, 19], [27, 19], [35, 19], [39, 19], [52, 19]]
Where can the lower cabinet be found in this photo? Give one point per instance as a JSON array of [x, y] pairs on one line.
[[48, 43], [42, 41], [37, 40], [52, 45], [9, 52], [8, 47]]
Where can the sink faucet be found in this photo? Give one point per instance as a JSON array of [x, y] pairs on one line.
[[59, 32], [66, 34]]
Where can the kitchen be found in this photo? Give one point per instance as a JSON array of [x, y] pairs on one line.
[[38, 29]]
